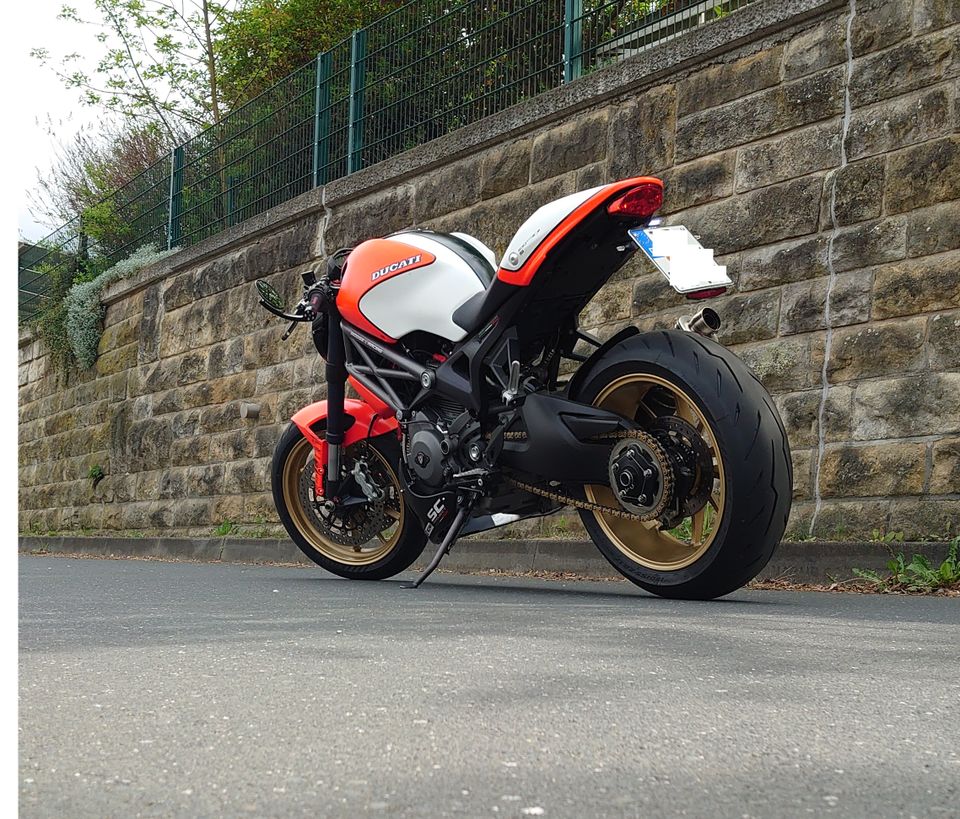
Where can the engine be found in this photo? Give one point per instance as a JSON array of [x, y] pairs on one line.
[[441, 442]]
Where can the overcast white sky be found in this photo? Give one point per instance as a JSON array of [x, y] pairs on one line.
[[41, 93]]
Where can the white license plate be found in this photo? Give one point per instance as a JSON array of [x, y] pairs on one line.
[[675, 251]]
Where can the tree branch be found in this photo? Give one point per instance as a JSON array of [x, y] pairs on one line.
[[133, 64]]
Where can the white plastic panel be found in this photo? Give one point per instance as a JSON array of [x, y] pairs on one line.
[[484, 251], [424, 298], [532, 232]]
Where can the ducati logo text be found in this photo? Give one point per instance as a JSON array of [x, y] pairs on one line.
[[392, 268]]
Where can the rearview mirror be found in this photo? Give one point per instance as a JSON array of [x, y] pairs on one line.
[[269, 294]]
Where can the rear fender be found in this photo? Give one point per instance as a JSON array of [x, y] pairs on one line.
[[362, 420], [583, 371]]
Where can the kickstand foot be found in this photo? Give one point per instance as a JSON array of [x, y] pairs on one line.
[[442, 549]]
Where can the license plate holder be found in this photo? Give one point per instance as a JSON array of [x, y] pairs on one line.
[[684, 262]]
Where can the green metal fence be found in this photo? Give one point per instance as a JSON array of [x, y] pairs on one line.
[[599, 33], [47, 267], [259, 156], [429, 68], [422, 71]]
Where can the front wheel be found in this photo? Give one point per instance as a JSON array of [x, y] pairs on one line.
[[730, 466], [371, 541]]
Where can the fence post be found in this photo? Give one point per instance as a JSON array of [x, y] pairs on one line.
[[233, 182], [358, 53], [176, 197], [83, 249], [321, 119], [572, 39]]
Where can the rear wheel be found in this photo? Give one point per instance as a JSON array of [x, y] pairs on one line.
[[730, 466], [370, 541]]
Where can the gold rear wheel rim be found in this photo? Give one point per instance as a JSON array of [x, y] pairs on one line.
[[300, 458], [648, 544]]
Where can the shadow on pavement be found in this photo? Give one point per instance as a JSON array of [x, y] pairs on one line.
[[561, 590]]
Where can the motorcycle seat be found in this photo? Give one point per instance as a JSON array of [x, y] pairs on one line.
[[471, 315], [476, 310]]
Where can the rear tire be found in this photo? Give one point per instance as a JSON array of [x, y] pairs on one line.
[[750, 449], [390, 552]]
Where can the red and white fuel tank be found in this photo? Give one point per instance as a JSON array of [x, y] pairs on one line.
[[412, 281]]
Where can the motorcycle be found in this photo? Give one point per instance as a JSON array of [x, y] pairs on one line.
[[666, 444]]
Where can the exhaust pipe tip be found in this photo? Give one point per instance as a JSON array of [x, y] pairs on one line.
[[706, 322]]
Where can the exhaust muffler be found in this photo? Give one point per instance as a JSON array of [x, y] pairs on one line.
[[706, 323]]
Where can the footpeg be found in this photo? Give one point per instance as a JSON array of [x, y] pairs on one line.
[[513, 383]]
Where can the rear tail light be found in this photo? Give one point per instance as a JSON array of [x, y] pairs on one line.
[[641, 202], [708, 293]]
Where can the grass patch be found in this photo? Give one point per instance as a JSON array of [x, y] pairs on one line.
[[916, 575]]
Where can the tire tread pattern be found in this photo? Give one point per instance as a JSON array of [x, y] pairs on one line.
[[756, 458]]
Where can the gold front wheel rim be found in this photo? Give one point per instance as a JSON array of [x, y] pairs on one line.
[[364, 555], [648, 544]]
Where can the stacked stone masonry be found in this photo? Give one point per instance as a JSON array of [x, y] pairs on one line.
[[821, 160]]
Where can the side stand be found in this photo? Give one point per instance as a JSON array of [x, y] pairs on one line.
[[442, 549]]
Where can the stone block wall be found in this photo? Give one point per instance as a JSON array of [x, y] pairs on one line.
[[817, 153]]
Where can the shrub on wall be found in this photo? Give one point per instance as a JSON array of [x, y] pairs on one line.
[[83, 310], [51, 320]]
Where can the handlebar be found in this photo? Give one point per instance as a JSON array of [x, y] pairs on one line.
[[288, 316], [316, 300], [308, 309]]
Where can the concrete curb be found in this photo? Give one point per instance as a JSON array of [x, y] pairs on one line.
[[814, 562]]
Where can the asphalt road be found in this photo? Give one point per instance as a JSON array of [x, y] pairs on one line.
[[163, 689]]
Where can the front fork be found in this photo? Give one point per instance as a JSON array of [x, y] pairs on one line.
[[336, 372]]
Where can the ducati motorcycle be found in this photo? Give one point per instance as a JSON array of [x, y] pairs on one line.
[[480, 402]]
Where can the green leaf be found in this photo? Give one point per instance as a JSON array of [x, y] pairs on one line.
[[867, 574], [948, 571]]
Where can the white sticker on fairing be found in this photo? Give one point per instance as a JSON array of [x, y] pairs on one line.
[[393, 268], [687, 265]]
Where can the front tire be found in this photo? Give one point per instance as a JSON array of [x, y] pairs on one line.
[[393, 547], [731, 538]]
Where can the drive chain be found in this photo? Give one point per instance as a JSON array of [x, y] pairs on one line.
[[663, 462]]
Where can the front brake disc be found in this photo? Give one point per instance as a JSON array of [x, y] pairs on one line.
[[348, 526]]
